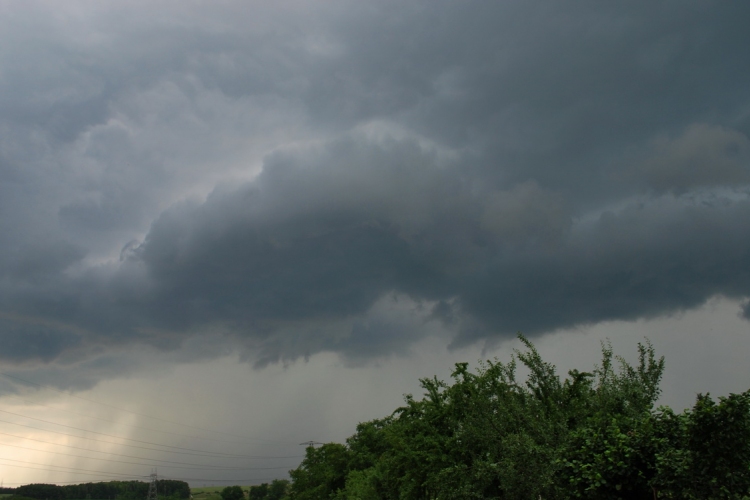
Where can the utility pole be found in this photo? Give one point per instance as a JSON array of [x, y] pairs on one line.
[[152, 486], [309, 444]]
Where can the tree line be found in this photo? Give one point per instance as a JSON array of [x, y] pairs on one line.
[[592, 435], [278, 489], [167, 489]]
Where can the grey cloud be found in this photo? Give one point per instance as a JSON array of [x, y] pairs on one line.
[[550, 93], [527, 214], [300, 242], [111, 100], [294, 245], [644, 261], [294, 260], [703, 155], [554, 166], [26, 341], [388, 327], [746, 311], [39, 259], [318, 236]]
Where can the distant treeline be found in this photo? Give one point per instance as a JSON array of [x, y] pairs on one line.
[[277, 490], [111, 490]]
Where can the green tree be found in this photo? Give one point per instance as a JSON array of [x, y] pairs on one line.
[[704, 452], [610, 458], [487, 435], [701, 453], [278, 489], [232, 493], [322, 472], [258, 492], [611, 453], [590, 435], [40, 491], [360, 485]]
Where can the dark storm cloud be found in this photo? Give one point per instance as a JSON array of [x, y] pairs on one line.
[[326, 240], [310, 240], [746, 312], [556, 84], [644, 261], [701, 156], [109, 114], [496, 166], [24, 341]]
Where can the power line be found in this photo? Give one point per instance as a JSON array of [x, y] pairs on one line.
[[13, 377], [110, 453], [193, 466], [210, 455], [228, 455], [70, 471], [165, 477], [119, 423], [56, 482], [157, 447]]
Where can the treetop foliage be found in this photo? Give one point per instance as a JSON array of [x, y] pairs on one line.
[[590, 435], [232, 493], [277, 490]]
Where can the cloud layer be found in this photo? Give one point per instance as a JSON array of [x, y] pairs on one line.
[[352, 178]]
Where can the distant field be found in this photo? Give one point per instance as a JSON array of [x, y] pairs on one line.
[[207, 489]]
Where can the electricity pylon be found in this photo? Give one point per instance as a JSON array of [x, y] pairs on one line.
[[309, 444], [152, 487]]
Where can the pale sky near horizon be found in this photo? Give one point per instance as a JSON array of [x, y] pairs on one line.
[[230, 227]]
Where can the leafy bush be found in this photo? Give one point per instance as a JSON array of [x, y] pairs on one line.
[[592, 435]]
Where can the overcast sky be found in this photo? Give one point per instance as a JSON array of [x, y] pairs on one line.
[[236, 226]]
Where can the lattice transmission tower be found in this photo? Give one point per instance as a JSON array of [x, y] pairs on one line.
[[152, 487], [310, 444]]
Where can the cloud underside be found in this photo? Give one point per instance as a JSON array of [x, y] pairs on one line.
[[383, 175]]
